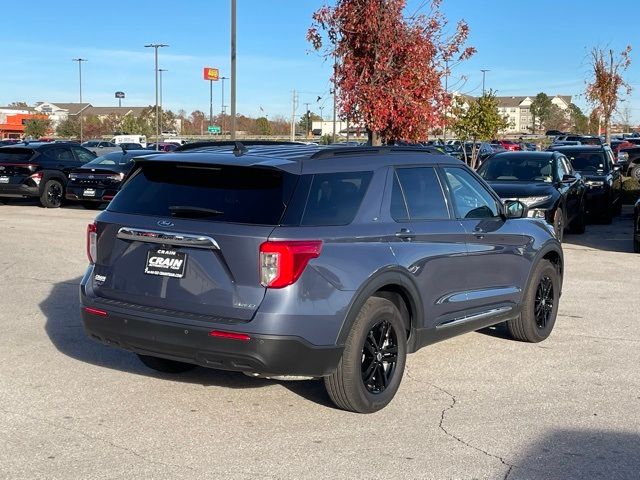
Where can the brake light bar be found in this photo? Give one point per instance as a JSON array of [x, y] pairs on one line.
[[92, 242], [282, 262], [96, 311], [243, 337]]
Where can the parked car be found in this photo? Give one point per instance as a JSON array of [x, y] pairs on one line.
[[602, 177], [583, 139], [554, 133], [8, 141], [141, 139], [131, 146], [99, 180], [507, 144], [545, 182], [98, 144], [163, 146], [298, 261], [483, 150], [636, 227], [39, 170], [629, 161]]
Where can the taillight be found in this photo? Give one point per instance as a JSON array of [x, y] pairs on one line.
[[116, 177], [92, 241], [282, 263], [243, 337], [36, 177]]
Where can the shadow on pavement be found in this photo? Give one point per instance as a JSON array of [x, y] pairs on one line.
[[64, 328], [617, 237], [581, 454]]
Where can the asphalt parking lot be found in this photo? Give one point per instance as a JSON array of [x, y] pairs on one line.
[[479, 406]]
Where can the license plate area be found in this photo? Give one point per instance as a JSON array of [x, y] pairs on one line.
[[89, 192], [166, 262], [4, 179]]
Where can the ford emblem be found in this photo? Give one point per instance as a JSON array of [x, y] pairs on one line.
[[166, 223]]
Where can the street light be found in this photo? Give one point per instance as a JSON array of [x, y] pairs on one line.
[[156, 46], [161, 109], [484, 72], [222, 106], [233, 69], [80, 60]]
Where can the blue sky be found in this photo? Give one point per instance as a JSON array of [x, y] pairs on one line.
[[528, 46]]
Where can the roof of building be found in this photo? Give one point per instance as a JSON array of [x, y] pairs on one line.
[[28, 109], [72, 108], [135, 111]]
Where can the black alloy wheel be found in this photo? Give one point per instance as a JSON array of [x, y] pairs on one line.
[[379, 357], [544, 302]]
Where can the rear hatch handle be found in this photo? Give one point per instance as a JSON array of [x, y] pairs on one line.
[[168, 238]]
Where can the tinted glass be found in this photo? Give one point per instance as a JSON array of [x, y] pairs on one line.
[[470, 197], [84, 156], [223, 194], [398, 205], [523, 168], [8, 154], [90, 144], [586, 161], [334, 198], [421, 190], [61, 154], [110, 159]]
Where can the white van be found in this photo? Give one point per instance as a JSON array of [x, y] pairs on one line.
[[141, 139]]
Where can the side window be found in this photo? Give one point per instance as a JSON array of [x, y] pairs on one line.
[[84, 156], [609, 154], [334, 198], [471, 198], [417, 195], [567, 165], [561, 168], [63, 155]]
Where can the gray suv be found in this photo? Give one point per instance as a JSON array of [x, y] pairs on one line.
[[298, 261]]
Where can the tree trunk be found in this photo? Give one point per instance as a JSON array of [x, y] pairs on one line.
[[607, 129], [374, 139]]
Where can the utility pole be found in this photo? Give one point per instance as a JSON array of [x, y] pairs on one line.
[[294, 107], [484, 72], [233, 69], [222, 107], [80, 60], [446, 109], [210, 102], [335, 66], [347, 129], [156, 46], [160, 70]]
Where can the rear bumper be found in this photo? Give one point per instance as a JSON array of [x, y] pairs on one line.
[[264, 354], [101, 194], [18, 190]]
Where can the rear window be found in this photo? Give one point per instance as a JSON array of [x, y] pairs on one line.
[[8, 154], [217, 193], [586, 161], [334, 198]]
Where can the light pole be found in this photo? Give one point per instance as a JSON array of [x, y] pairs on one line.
[[484, 72], [222, 106], [80, 60], [156, 46], [233, 69], [160, 70]]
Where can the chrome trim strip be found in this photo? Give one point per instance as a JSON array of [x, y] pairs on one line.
[[477, 316], [168, 238], [478, 294]]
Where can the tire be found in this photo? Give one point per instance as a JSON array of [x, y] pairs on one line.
[[636, 246], [52, 194], [531, 328], [164, 365], [579, 223], [635, 172], [91, 205], [347, 386], [559, 223]]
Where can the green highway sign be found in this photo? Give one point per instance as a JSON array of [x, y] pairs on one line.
[[214, 129]]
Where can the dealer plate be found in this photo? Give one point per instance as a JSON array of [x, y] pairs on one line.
[[166, 263]]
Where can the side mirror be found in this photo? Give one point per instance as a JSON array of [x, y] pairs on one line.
[[514, 209], [566, 178], [617, 168]]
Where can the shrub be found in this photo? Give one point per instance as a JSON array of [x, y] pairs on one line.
[[630, 190]]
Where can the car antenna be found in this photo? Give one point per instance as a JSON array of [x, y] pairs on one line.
[[239, 149]]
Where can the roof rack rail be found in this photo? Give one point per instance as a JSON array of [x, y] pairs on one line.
[[348, 151], [231, 143]]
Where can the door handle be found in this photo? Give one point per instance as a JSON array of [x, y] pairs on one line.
[[405, 234]]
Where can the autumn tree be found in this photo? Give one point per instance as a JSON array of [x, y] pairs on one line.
[[603, 91], [18, 105], [388, 68], [37, 127], [579, 121], [477, 120], [69, 128]]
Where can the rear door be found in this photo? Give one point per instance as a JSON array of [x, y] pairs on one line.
[[186, 238], [428, 241]]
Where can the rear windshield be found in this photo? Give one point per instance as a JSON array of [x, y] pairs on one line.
[[216, 193], [111, 159], [8, 154]]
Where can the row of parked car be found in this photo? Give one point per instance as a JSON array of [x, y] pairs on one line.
[[567, 185]]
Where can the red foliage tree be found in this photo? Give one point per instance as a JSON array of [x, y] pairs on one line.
[[388, 68]]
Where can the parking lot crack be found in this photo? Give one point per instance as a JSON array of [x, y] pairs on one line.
[[442, 427]]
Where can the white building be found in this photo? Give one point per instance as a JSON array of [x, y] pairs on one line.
[[326, 128], [518, 113]]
